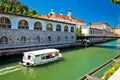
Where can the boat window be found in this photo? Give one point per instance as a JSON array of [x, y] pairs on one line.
[[37, 55], [48, 57], [29, 56], [43, 57], [56, 54]]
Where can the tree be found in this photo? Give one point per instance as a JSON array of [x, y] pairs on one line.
[[16, 7], [36, 15], [2, 6], [115, 1], [119, 18], [118, 25], [25, 12], [113, 27], [78, 30]]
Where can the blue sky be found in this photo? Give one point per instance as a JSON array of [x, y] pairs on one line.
[[87, 10]]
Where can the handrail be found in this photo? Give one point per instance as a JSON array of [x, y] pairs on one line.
[[99, 68]]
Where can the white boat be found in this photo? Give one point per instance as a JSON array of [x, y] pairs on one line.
[[33, 58]]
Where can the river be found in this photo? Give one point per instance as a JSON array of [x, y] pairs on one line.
[[75, 63]]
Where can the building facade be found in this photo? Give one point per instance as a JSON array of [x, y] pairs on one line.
[[117, 31], [24, 31], [100, 31]]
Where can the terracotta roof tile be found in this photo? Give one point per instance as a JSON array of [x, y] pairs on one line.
[[99, 24], [78, 20], [58, 16]]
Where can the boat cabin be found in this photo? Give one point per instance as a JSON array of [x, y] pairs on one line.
[[38, 57]]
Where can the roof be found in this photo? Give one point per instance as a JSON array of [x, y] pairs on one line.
[[78, 20], [98, 24], [38, 52], [58, 16], [39, 18]]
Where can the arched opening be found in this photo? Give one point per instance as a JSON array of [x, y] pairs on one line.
[[66, 38], [49, 38], [66, 28], [23, 39], [23, 24], [58, 38], [72, 29], [3, 40], [49, 27], [37, 26], [37, 39], [58, 28], [72, 37], [5, 23]]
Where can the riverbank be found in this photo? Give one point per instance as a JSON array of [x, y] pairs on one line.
[[15, 51], [20, 50]]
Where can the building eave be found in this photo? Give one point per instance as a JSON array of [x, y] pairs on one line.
[[35, 18]]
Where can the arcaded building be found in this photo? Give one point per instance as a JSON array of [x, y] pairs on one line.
[[23, 31]]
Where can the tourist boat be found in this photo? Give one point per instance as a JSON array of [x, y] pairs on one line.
[[38, 57]]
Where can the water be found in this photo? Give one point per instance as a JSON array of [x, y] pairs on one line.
[[75, 63]]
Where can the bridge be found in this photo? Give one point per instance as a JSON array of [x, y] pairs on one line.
[[90, 39], [97, 36]]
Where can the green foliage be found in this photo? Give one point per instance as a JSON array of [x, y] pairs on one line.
[[118, 25], [110, 71], [115, 1], [119, 18], [113, 27], [78, 30], [16, 7]]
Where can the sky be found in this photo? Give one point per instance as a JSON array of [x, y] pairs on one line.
[[87, 10]]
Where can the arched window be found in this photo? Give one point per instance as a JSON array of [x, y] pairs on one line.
[[72, 29], [5, 23], [66, 28], [37, 26], [58, 38], [58, 28], [65, 38], [23, 24], [49, 27], [49, 38], [3, 40], [37, 39], [23, 39], [72, 37]]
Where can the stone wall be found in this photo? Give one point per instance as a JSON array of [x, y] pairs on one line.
[[14, 38]]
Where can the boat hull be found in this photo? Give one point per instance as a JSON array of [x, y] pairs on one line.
[[28, 64]]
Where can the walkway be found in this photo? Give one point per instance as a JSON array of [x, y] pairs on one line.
[[116, 75]]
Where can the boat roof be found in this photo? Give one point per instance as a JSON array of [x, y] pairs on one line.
[[38, 52]]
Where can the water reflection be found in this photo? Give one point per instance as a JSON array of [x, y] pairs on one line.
[[110, 45], [118, 43], [29, 72]]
